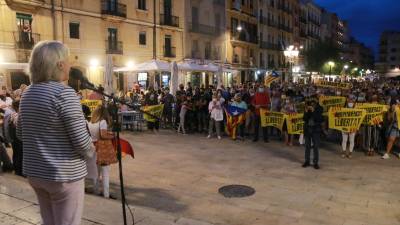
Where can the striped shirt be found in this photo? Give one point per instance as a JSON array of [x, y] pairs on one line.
[[53, 130]]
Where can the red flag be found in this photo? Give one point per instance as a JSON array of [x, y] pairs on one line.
[[126, 147]]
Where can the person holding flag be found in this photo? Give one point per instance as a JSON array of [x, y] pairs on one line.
[[235, 117]]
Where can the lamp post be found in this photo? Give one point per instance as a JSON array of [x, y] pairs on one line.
[[331, 64], [291, 53]]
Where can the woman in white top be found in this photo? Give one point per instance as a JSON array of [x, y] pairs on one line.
[[98, 129], [216, 115]]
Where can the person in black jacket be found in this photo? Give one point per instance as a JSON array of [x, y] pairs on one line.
[[313, 120]]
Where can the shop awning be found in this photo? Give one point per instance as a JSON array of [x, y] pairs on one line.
[[152, 65], [14, 66]]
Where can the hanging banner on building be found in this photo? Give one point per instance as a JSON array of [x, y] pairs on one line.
[[294, 123], [272, 119], [155, 110], [336, 85], [374, 112], [92, 104], [346, 119], [331, 101]]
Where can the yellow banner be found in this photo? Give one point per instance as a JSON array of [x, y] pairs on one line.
[[155, 110], [300, 107], [294, 123], [331, 101], [272, 119], [346, 119], [398, 116], [374, 112], [92, 104], [337, 85]]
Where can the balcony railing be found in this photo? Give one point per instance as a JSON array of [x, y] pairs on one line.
[[314, 21], [25, 40], [303, 19], [219, 2], [313, 35], [263, 20], [285, 28], [114, 47], [241, 36], [303, 34], [271, 23], [114, 9], [169, 20], [169, 52], [203, 29], [268, 45]]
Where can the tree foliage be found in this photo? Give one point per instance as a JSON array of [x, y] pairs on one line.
[[317, 57]]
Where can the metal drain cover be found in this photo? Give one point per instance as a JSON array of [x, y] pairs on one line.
[[236, 191]]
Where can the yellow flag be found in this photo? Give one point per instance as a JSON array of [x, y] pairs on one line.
[[374, 112], [92, 104], [346, 119], [155, 110], [295, 123], [272, 119]]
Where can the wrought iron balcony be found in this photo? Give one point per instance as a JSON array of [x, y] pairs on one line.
[[303, 19], [113, 9], [169, 20], [241, 36], [203, 29], [169, 52], [25, 40], [114, 47], [219, 2], [263, 20], [268, 45], [271, 23]]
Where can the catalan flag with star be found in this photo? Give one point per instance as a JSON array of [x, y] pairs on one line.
[[273, 76], [234, 117]]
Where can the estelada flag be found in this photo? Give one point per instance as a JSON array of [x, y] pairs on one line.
[[234, 117], [270, 78], [126, 147]]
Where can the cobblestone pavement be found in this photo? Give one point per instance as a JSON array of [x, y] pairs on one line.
[[175, 177]]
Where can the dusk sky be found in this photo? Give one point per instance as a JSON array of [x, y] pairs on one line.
[[367, 18]]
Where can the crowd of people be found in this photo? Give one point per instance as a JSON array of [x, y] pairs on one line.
[[56, 148], [201, 110]]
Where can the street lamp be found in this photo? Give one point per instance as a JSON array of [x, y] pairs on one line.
[[346, 67], [239, 28], [291, 53], [331, 64]]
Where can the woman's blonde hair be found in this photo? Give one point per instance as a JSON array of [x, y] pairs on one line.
[[44, 59], [100, 113]]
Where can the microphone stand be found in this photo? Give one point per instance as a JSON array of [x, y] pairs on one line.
[[117, 130]]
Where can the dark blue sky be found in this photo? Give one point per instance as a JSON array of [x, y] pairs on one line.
[[367, 18]]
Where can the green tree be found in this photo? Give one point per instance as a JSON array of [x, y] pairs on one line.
[[317, 57]]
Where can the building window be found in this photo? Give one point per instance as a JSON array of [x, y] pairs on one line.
[[393, 58], [142, 4], [74, 30], [142, 38], [393, 50], [142, 80]]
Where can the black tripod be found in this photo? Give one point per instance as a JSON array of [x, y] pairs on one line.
[[113, 101]]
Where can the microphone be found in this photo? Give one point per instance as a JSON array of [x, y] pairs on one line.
[[77, 75]]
